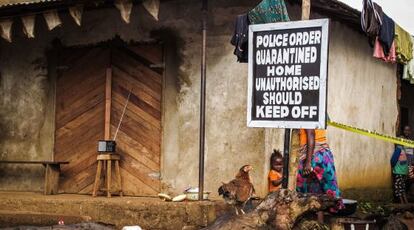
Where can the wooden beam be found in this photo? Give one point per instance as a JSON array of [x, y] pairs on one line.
[[294, 159], [108, 97], [52, 179], [295, 145], [306, 5]]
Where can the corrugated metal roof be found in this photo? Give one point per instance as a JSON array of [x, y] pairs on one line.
[[5, 3]]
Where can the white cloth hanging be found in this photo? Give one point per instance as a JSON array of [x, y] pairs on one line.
[[52, 19], [153, 7], [29, 25], [76, 13], [6, 26], [125, 8]]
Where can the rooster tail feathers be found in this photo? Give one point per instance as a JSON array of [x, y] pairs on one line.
[[220, 190]]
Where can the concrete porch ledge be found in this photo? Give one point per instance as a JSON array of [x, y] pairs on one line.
[[26, 208], [21, 218]]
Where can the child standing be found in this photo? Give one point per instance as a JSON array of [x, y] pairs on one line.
[[399, 166], [275, 173]]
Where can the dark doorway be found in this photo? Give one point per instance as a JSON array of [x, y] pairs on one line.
[[406, 104]]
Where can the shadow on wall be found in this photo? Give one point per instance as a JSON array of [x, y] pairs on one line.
[[2, 125], [175, 43], [30, 177]]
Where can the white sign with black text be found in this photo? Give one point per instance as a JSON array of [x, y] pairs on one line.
[[288, 65]]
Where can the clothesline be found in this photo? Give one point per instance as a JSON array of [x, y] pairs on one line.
[[392, 43]]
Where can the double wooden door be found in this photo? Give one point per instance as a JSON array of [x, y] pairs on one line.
[[80, 114]]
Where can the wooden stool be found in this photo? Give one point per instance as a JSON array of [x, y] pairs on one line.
[[106, 159]]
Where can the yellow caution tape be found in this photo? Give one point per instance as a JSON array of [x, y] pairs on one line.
[[395, 140]]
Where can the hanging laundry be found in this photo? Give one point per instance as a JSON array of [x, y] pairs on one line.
[[76, 13], [240, 38], [125, 8], [153, 7], [6, 26], [371, 18], [269, 11], [408, 73], [403, 44], [386, 35], [28, 25], [379, 52], [52, 19]]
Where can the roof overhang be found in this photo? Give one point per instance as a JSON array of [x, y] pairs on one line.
[[331, 8], [11, 3], [336, 10]]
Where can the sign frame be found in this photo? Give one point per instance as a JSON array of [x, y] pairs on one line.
[[322, 119]]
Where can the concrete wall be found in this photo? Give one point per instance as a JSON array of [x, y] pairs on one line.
[[229, 143], [362, 92], [227, 136], [26, 113]]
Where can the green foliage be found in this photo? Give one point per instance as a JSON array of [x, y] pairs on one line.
[[373, 209]]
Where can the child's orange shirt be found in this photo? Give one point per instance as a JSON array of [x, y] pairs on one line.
[[273, 175]]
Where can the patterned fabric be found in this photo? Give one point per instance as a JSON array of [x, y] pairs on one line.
[[400, 185], [323, 178], [410, 159], [269, 11], [401, 167]]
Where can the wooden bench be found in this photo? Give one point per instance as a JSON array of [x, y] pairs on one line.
[[52, 173]]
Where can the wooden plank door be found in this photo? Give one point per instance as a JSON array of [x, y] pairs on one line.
[[80, 104], [139, 135]]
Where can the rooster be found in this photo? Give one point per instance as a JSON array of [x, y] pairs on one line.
[[238, 191]]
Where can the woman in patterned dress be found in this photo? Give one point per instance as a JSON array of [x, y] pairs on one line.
[[316, 167]]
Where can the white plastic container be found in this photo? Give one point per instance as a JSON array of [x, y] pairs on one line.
[[194, 195]]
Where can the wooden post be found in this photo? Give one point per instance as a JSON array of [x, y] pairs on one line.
[[107, 122], [108, 95], [286, 159], [52, 179], [295, 145], [294, 159], [97, 179], [306, 4], [108, 179], [118, 176]]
